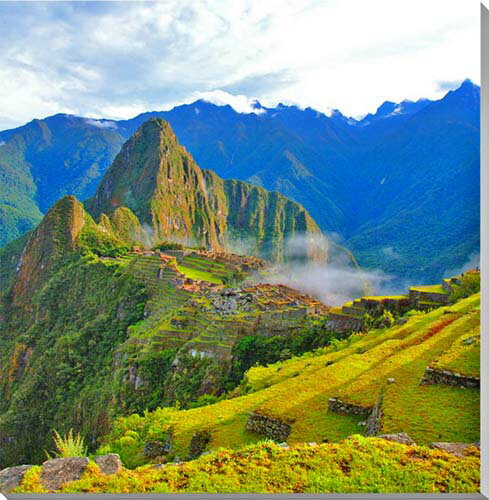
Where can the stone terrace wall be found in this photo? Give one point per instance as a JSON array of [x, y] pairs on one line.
[[417, 296], [337, 406], [445, 377], [270, 427], [342, 323], [374, 420]]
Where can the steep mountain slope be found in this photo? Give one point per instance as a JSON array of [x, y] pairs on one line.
[[260, 149], [18, 210], [46, 159], [161, 184], [423, 191], [89, 330], [377, 182]]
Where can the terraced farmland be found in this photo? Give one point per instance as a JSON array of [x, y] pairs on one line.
[[356, 370]]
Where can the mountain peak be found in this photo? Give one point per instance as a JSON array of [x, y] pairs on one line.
[[55, 236], [158, 180], [467, 88]]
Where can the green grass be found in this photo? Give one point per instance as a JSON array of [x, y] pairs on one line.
[[384, 297], [357, 465], [197, 274], [429, 289], [461, 357]]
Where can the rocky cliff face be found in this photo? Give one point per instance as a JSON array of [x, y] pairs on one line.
[[54, 237], [158, 180]]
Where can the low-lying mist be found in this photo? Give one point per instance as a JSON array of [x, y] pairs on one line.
[[334, 282]]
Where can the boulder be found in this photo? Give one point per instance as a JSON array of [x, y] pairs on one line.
[[400, 437], [109, 464], [458, 449], [153, 449], [58, 471], [11, 477]]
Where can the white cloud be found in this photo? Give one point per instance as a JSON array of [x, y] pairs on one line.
[[109, 59], [101, 123], [241, 103], [122, 111]]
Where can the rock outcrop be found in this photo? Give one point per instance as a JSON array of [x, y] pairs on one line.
[[58, 471], [459, 449], [11, 477], [109, 464], [399, 437]]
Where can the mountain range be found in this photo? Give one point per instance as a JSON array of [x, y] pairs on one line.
[[400, 188], [128, 320]]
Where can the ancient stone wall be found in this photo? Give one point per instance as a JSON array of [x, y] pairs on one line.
[[270, 427], [417, 296], [342, 323], [445, 377], [374, 420], [337, 406]]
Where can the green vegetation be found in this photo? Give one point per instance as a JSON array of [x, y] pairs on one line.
[[463, 356], [355, 369], [470, 283], [57, 363], [168, 245], [196, 274], [356, 465], [68, 445], [429, 289]]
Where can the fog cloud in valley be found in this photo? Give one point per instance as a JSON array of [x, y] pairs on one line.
[[334, 281]]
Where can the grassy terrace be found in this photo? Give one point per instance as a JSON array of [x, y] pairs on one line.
[[384, 297], [197, 274], [357, 465], [463, 356], [298, 390], [429, 289]]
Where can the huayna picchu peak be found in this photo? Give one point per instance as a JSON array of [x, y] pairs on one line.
[[159, 182]]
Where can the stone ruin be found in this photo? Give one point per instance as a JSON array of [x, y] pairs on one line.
[[243, 262], [373, 413], [274, 297], [351, 316], [231, 301], [433, 376], [336, 405], [270, 427]]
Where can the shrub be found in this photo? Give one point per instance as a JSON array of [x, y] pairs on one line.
[[69, 445], [168, 245], [470, 284]]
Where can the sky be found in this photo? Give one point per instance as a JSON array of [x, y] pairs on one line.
[[117, 59]]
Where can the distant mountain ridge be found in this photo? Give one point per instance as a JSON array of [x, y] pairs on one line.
[[368, 180]]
